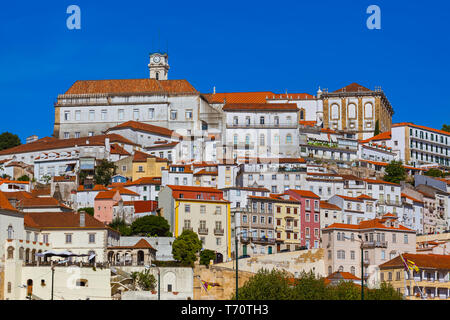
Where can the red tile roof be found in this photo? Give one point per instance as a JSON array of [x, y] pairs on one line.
[[353, 87], [411, 198], [246, 107], [374, 181], [97, 187], [42, 202], [105, 195], [291, 96], [141, 244], [116, 149], [148, 86], [4, 203], [410, 124], [307, 123], [305, 193], [327, 205], [145, 127], [144, 181], [425, 261], [367, 224], [379, 137], [60, 220], [145, 206], [194, 189], [238, 97], [53, 143]]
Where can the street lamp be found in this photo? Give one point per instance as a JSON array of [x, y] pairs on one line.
[[159, 279], [362, 262]]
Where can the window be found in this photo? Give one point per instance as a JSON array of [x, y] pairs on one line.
[[136, 114], [307, 217], [91, 115], [187, 208], [91, 237], [103, 114], [289, 139], [173, 115], [67, 115], [202, 209], [10, 232], [262, 140], [78, 115], [352, 255], [308, 206], [188, 114], [68, 238], [405, 239], [261, 120], [66, 135], [151, 113], [120, 114]]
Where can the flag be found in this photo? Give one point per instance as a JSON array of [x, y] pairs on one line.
[[209, 285], [412, 265]]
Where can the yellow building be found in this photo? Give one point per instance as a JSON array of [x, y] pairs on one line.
[[431, 282], [141, 165], [287, 222], [202, 210]]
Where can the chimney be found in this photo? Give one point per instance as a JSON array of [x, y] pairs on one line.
[[82, 218], [13, 202], [214, 90], [107, 145]]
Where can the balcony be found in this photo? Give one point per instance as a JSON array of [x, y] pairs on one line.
[[245, 239], [390, 202], [374, 244], [202, 231], [218, 232], [262, 126], [260, 240]]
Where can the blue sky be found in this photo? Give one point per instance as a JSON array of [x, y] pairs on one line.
[[233, 45]]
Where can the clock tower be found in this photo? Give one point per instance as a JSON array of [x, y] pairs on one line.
[[159, 66]]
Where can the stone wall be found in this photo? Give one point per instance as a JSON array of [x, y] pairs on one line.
[[224, 277]]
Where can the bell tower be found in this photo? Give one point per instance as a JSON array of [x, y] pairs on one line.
[[159, 66]]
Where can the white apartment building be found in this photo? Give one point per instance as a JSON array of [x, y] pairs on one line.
[[381, 240], [412, 216], [325, 185], [275, 174], [355, 209], [261, 129], [420, 145]]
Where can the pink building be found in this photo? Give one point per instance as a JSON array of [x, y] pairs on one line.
[[104, 203], [309, 217]]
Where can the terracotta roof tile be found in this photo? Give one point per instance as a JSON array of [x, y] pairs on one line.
[[432, 261], [305, 193], [4, 203], [246, 107], [238, 97], [148, 86], [353, 87], [327, 205], [141, 126], [63, 220]]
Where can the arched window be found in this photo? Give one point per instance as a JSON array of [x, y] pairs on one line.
[[302, 114], [341, 269], [334, 112], [21, 253], [10, 252], [368, 111], [10, 232], [352, 111], [352, 270], [289, 139], [169, 282], [330, 270]]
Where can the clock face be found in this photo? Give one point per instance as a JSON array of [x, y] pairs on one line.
[[156, 59]]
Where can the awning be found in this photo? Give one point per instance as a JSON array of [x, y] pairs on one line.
[[64, 254]]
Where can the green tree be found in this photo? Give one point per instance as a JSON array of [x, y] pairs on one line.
[[24, 178], [395, 172], [9, 140], [385, 292], [446, 127], [144, 280], [266, 285], [346, 290], [88, 210], [206, 256], [151, 226], [310, 287], [433, 172], [104, 172], [377, 128], [186, 247], [121, 226]]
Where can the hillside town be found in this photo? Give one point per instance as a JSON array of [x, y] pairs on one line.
[[319, 182]]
